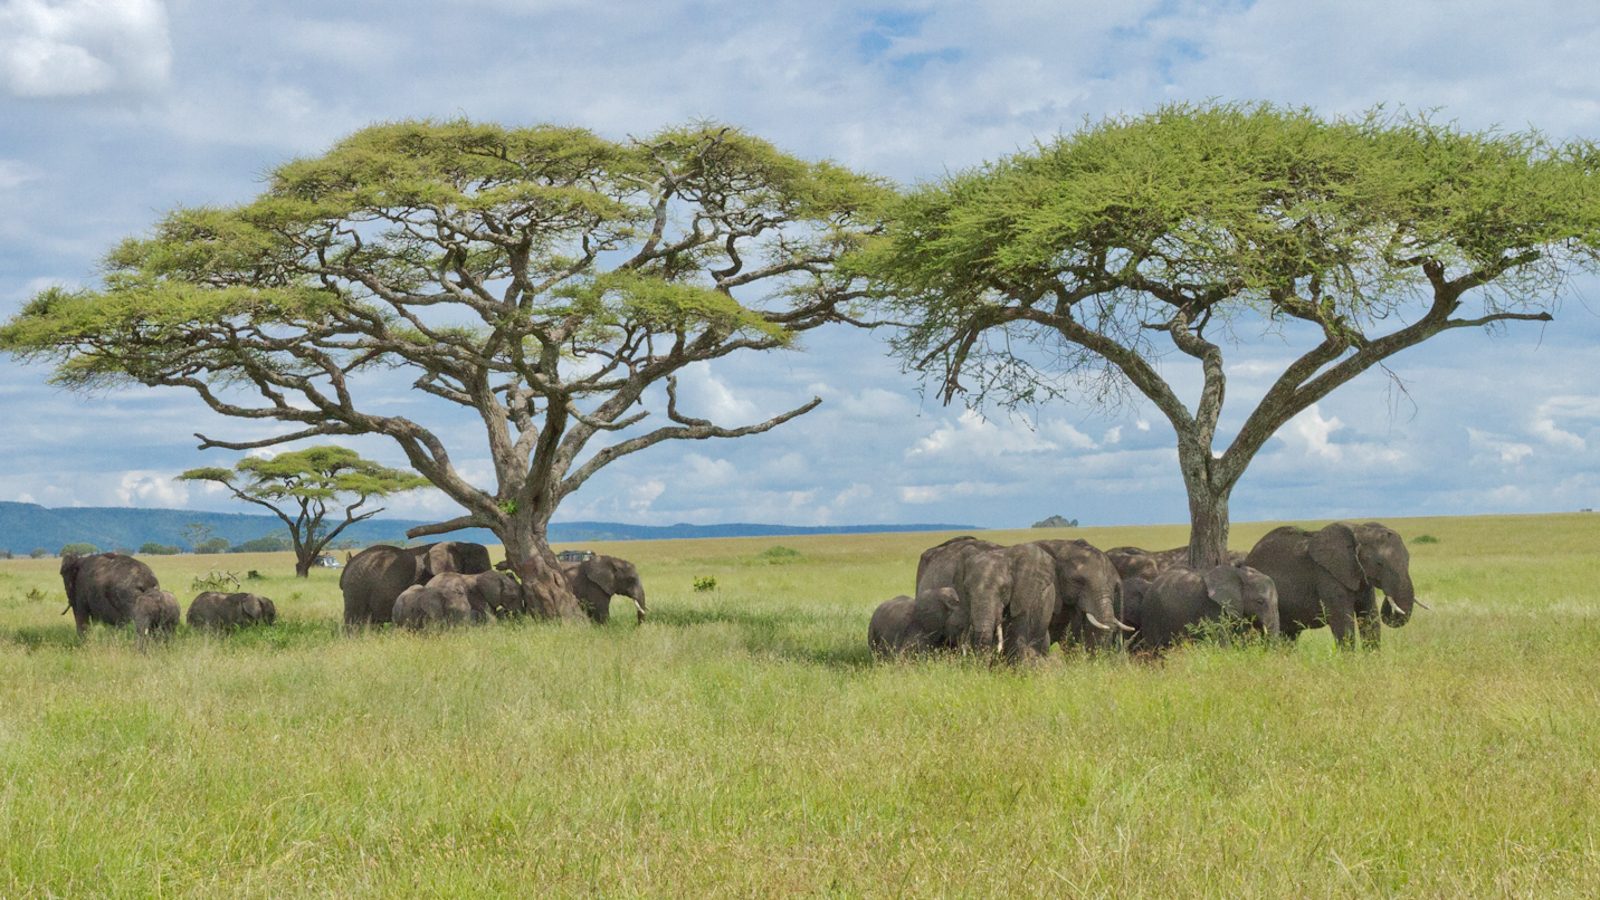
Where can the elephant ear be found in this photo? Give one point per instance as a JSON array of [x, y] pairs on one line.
[[440, 559], [1225, 587], [1334, 549], [602, 571]]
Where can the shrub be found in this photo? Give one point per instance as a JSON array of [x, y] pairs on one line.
[[1424, 539], [39, 553], [212, 545], [779, 555], [151, 548], [272, 543], [80, 549], [705, 583], [215, 581]]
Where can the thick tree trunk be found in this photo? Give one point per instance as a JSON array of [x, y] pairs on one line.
[[302, 569], [1208, 507], [528, 551]]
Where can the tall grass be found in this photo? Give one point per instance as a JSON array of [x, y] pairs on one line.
[[743, 743]]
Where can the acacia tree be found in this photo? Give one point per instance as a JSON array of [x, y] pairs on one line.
[[299, 487], [550, 281], [1092, 264]]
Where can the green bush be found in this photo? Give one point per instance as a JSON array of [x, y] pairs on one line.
[[705, 583], [272, 543], [79, 549], [1424, 539], [212, 545], [151, 548], [779, 555]]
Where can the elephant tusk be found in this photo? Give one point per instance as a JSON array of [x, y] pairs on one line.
[[1421, 604], [1097, 623], [1124, 625]]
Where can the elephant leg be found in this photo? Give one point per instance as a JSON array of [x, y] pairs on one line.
[[1027, 636], [1342, 623], [1371, 631]]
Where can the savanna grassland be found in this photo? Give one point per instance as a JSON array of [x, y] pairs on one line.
[[743, 743]]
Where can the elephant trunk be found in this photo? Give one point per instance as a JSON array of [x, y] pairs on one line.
[[1399, 599], [637, 596]]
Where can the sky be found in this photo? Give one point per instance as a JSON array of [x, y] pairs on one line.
[[112, 113]]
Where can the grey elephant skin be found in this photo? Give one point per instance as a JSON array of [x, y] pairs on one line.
[[424, 606], [103, 587], [155, 614], [933, 620], [1167, 610], [1137, 562], [595, 581], [487, 593], [216, 611], [1330, 577], [938, 564], [1009, 591], [376, 576], [1087, 588]]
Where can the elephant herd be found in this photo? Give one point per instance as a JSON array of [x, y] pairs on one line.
[[435, 585], [976, 595]]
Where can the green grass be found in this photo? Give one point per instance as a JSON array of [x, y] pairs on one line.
[[743, 743]]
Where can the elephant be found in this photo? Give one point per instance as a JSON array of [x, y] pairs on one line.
[[1165, 610], [486, 593], [420, 606], [932, 621], [1087, 587], [155, 613], [596, 580], [1329, 577], [937, 566], [376, 576], [103, 587], [218, 611], [1009, 598]]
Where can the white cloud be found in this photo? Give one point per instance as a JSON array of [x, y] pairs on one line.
[[1309, 432], [146, 488], [1568, 409], [1508, 452], [1113, 435], [640, 498], [78, 47], [15, 173]]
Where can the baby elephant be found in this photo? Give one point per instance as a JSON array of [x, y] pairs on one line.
[[1165, 610], [155, 612], [217, 611], [904, 625], [422, 605]]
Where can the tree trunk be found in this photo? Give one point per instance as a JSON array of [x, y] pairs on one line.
[[1208, 507], [529, 554], [302, 569]]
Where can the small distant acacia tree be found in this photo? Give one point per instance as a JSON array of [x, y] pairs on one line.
[[1094, 263], [304, 486], [551, 282]]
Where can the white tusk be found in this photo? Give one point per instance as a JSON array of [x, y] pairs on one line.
[[1124, 625], [1097, 623], [1421, 604]]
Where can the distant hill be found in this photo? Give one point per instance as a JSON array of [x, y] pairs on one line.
[[25, 526]]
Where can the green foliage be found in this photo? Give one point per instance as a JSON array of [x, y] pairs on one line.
[[212, 545], [272, 543], [779, 555], [79, 549], [703, 583], [1223, 211], [744, 743], [38, 553], [1424, 539], [154, 548]]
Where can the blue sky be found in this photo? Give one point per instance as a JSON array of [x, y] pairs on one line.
[[113, 112]]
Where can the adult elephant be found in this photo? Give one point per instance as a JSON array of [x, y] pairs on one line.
[[1087, 587], [596, 580], [1329, 577], [1009, 594], [1166, 610], [103, 587], [933, 620], [938, 564], [375, 577]]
